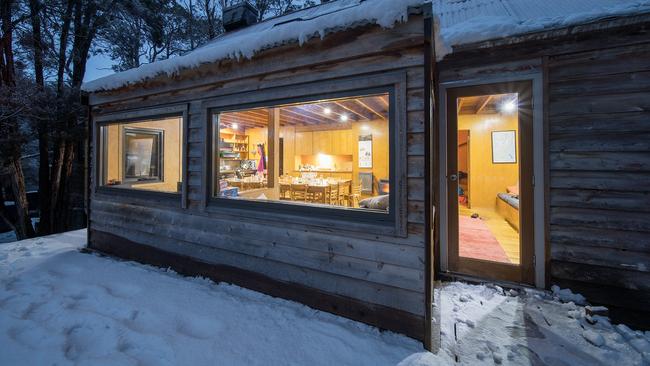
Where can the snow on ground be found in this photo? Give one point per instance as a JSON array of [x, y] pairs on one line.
[[7, 237], [61, 306]]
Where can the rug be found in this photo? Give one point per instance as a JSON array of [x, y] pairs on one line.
[[477, 241]]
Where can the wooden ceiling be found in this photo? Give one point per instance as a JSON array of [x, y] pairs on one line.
[[483, 104], [313, 114]]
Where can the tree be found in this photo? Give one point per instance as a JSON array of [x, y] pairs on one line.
[[58, 38], [11, 134]]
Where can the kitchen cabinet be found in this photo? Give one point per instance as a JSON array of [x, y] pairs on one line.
[[322, 142], [304, 143], [342, 142]]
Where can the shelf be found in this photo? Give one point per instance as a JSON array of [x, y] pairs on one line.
[[235, 142], [231, 133]]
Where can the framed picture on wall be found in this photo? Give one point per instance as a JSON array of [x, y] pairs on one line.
[[365, 151], [504, 147]]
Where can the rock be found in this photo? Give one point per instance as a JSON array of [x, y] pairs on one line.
[[596, 310], [590, 320]]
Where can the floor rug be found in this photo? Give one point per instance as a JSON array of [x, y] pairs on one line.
[[477, 241]]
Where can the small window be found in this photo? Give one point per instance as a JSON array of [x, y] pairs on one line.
[[143, 155], [331, 153]]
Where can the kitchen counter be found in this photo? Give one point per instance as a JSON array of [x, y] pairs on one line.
[[323, 171]]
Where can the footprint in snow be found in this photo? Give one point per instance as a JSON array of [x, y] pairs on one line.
[[122, 290], [198, 328]]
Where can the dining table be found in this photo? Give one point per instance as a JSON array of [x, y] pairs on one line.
[[319, 187]]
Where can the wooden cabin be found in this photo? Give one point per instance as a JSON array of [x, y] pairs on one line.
[[308, 166], [299, 172]]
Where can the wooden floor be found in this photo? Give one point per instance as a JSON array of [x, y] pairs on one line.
[[505, 234]]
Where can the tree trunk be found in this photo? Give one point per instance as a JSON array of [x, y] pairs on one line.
[[55, 178], [63, 46], [44, 226], [23, 226], [60, 210]]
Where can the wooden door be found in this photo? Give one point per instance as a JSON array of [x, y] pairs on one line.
[[493, 238]]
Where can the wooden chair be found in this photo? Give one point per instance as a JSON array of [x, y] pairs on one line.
[[353, 197], [285, 191], [317, 194], [344, 190], [333, 194], [299, 192]]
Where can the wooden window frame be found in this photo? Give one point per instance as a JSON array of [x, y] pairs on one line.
[[392, 224], [134, 116], [160, 151]]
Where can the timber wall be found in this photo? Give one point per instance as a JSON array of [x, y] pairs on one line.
[[377, 273], [597, 152]]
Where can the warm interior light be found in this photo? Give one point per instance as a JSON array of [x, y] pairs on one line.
[[234, 126], [365, 127], [508, 106], [327, 111], [344, 117], [324, 161]]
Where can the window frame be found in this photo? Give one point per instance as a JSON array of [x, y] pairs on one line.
[[392, 223], [160, 151], [135, 116]]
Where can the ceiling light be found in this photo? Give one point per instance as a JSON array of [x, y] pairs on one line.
[[508, 106], [344, 118], [234, 126], [327, 111]]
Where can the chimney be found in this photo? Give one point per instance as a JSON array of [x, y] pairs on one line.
[[239, 16]]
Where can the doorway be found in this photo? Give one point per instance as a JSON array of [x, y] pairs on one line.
[[490, 181]]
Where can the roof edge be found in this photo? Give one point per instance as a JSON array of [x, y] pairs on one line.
[[609, 22]]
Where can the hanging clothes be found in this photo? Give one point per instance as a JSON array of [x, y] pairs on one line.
[[261, 166]]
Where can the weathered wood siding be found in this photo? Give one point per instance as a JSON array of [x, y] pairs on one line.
[[597, 151], [377, 269], [599, 154]]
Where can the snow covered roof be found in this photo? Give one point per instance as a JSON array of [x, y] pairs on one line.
[[298, 27], [461, 22], [469, 21]]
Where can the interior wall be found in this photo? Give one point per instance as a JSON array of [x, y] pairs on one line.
[[486, 179], [380, 150], [172, 169], [341, 142], [257, 136]]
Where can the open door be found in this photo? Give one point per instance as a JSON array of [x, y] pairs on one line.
[[490, 181]]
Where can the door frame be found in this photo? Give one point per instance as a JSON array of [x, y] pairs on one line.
[[524, 271], [538, 215]]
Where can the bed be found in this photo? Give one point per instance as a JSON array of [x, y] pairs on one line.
[[508, 206]]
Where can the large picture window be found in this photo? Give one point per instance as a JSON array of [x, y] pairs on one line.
[[143, 155], [330, 153]]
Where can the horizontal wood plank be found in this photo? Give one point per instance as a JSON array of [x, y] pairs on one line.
[[603, 257], [600, 180], [599, 237], [601, 199], [384, 295], [601, 219], [595, 161], [623, 278]]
